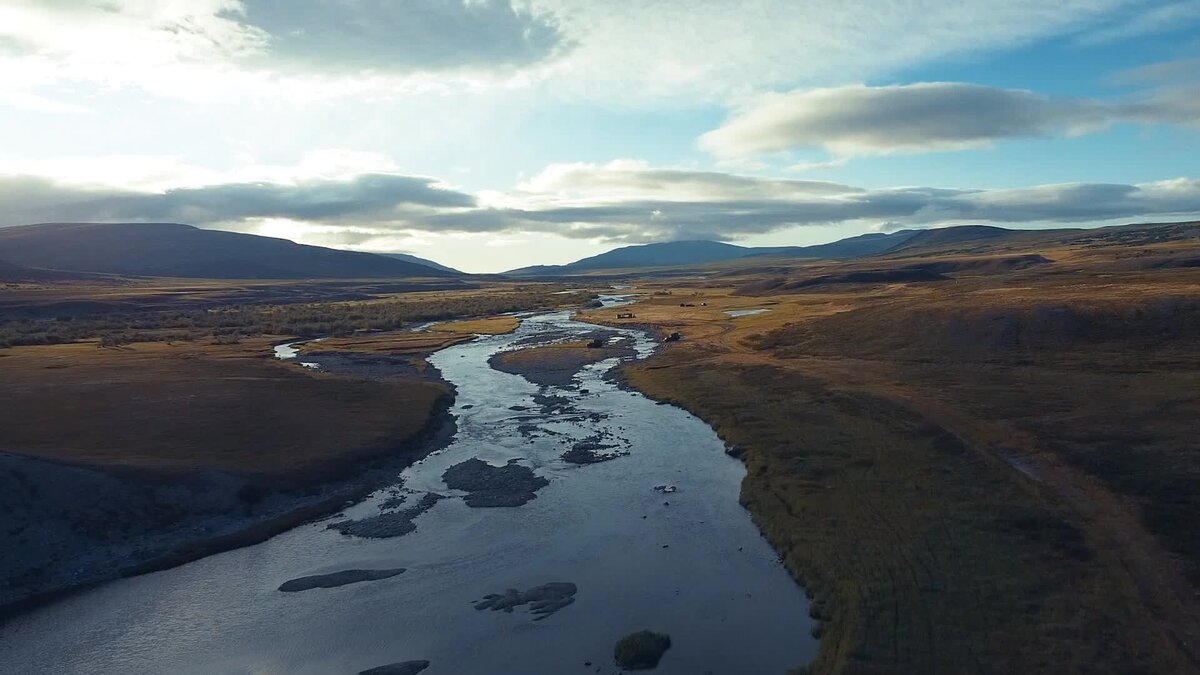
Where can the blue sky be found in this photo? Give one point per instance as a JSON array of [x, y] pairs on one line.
[[492, 134]]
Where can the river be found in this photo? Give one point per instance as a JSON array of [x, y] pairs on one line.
[[686, 560]]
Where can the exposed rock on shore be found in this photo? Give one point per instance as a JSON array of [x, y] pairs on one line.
[[543, 600], [336, 579], [591, 451], [402, 668], [389, 524]]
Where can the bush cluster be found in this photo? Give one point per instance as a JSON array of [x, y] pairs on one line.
[[236, 321]]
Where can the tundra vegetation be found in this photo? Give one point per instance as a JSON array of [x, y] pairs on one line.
[[116, 315], [990, 469], [200, 438]]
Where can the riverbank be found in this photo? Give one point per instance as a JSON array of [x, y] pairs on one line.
[[174, 452], [650, 538], [993, 474]]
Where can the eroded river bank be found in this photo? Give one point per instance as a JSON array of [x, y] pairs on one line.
[[558, 519]]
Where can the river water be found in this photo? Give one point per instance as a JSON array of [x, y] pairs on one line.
[[687, 562]]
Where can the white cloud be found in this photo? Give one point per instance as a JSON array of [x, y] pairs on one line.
[[635, 51], [205, 50], [1141, 21], [1161, 72], [931, 116], [399, 37], [657, 50], [625, 180]]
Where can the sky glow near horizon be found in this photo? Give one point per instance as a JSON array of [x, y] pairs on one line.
[[494, 134]]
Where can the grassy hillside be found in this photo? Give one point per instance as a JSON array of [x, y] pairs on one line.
[[991, 470]]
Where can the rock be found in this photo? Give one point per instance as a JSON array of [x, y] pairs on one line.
[[335, 579], [641, 650], [402, 668], [393, 502], [386, 525], [735, 451], [493, 486], [543, 600], [589, 451]]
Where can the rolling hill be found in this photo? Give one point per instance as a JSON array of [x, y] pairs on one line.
[[871, 243], [408, 257], [175, 250], [645, 255], [667, 254]]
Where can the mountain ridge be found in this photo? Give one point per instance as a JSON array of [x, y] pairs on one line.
[[408, 257], [900, 242], [185, 251]]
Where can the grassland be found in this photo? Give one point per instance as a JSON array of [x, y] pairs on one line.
[[197, 388], [993, 469], [188, 406], [134, 437], [119, 315]]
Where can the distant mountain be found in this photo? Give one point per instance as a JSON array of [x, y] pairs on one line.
[[944, 240], [944, 236], [864, 244], [699, 252], [646, 255], [174, 250], [407, 257]]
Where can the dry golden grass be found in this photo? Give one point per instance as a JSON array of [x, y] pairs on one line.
[[417, 343], [495, 325], [187, 406], [992, 473]]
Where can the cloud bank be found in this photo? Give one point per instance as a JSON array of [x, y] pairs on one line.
[[620, 202], [386, 198], [931, 116]]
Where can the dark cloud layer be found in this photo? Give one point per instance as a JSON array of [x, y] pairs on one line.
[[661, 220], [411, 35], [368, 196], [383, 204]]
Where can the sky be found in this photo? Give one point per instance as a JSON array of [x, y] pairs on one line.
[[494, 134]]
